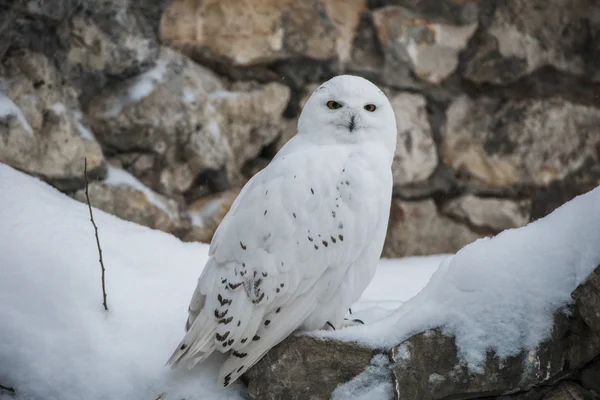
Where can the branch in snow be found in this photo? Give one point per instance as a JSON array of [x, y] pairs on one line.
[[8, 389], [87, 196]]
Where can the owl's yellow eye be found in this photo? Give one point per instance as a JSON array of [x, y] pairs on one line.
[[333, 105], [370, 107]]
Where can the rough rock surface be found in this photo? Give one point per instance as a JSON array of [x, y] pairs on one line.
[[525, 35], [462, 12], [416, 228], [249, 33], [42, 130], [493, 99], [519, 142], [127, 198], [428, 365], [181, 112], [206, 214], [251, 116], [590, 376], [569, 391], [489, 213], [103, 42], [303, 366], [571, 346], [417, 46], [416, 155]]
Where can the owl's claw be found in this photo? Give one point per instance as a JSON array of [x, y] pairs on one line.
[[330, 325]]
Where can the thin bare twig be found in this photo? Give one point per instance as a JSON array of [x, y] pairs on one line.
[[87, 196]]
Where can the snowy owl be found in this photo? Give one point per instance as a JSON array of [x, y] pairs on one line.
[[301, 241]]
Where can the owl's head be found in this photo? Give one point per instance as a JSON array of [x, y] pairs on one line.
[[348, 109]]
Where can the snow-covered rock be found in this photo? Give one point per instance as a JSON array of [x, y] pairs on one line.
[[105, 38], [503, 315], [56, 340], [123, 195], [182, 113], [42, 130], [305, 367]]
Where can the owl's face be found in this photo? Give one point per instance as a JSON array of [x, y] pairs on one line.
[[348, 109]]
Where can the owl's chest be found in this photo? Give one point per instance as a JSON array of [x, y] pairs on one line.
[[353, 180]]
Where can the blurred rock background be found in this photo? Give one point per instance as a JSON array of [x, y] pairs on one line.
[[177, 103]]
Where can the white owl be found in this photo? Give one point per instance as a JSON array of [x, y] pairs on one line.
[[303, 238]]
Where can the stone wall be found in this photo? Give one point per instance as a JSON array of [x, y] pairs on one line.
[[176, 104]]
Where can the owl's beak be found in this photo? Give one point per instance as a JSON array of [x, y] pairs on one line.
[[352, 123]]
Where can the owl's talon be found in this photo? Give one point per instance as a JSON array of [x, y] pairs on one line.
[[331, 325]]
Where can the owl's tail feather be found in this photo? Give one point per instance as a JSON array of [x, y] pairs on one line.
[[197, 344], [281, 326]]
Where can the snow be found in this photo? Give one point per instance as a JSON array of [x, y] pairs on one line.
[[499, 293], [223, 94], [144, 84], [409, 274], [116, 176], [57, 340], [83, 131], [373, 384], [58, 108], [8, 107], [189, 95], [436, 378], [59, 343]]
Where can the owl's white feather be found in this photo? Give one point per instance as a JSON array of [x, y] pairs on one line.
[[302, 240]]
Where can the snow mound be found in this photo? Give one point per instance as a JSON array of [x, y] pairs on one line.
[[500, 293], [57, 342]]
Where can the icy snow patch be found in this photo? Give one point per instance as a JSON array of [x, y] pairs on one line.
[[83, 131], [8, 107], [57, 342], [117, 176], [436, 378], [140, 88], [373, 384], [58, 108], [189, 95], [144, 84], [500, 293], [223, 94]]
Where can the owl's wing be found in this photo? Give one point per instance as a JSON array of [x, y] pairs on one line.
[[307, 216]]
